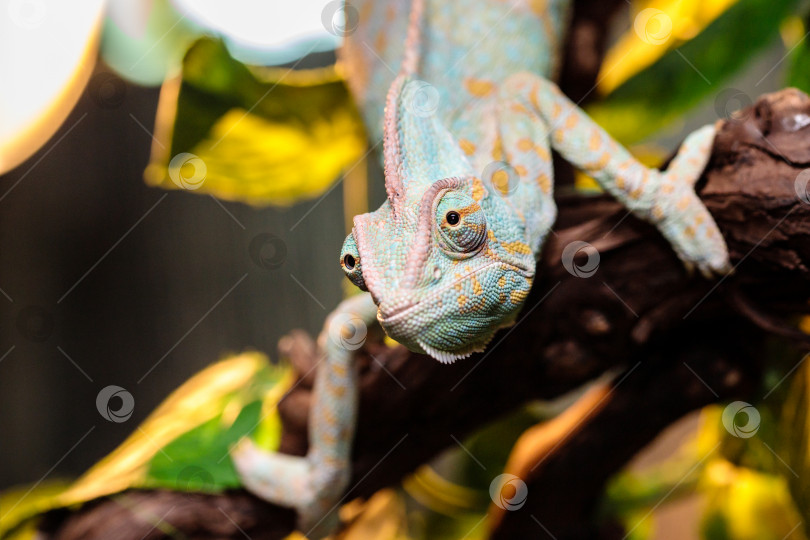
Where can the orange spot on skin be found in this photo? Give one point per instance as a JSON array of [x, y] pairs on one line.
[[538, 7], [595, 142], [544, 182], [381, 41], [477, 288], [339, 370], [517, 247], [329, 416], [518, 296], [466, 146], [667, 189], [520, 109], [657, 212], [556, 111], [533, 97], [542, 151], [645, 176], [635, 194], [478, 190], [571, 121], [462, 300], [683, 204], [497, 150], [521, 170], [502, 282], [689, 232], [525, 144], [541, 9], [479, 87], [604, 159]]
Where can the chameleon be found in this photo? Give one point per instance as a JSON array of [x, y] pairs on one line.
[[461, 95]]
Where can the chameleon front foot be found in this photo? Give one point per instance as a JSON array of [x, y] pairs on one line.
[[314, 485], [681, 216], [293, 482]]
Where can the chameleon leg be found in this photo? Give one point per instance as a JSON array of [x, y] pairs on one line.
[[314, 484], [664, 198]]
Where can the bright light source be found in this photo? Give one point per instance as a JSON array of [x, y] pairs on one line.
[[47, 53], [265, 31]]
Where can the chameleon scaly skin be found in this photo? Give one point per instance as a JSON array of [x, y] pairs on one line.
[[468, 122]]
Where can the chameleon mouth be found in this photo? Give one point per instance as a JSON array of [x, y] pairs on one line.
[[392, 316]]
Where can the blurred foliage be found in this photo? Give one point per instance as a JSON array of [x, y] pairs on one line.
[[794, 32], [795, 439], [265, 136], [183, 445], [682, 77], [653, 33], [750, 487], [448, 498], [145, 42]]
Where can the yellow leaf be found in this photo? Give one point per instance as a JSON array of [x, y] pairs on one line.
[[656, 27]]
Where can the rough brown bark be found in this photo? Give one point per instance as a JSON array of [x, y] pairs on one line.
[[639, 312]]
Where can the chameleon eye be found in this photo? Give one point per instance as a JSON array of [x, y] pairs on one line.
[[350, 262], [460, 223]]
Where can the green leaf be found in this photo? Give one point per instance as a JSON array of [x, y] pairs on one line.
[[684, 76], [198, 460], [263, 135]]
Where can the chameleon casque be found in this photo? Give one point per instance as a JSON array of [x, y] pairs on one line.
[[460, 94]]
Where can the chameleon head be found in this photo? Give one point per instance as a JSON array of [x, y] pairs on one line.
[[446, 262], [446, 271]]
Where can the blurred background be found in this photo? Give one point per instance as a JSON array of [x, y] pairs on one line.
[[112, 275]]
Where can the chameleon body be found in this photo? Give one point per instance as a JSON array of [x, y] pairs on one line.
[[460, 94]]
